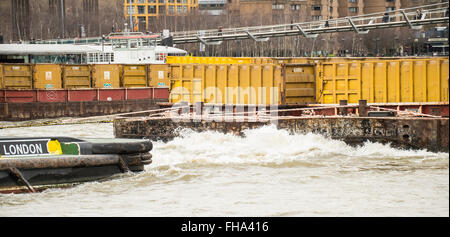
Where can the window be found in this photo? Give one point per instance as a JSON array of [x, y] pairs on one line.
[[130, 10], [178, 1], [151, 9], [353, 9], [389, 9], [162, 10], [151, 1], [130, 1], [91, 57], [171, 9], [185, 9], [277, 6], [141, 19], [316, 8], [141, 9], [316, 18], [295, 7], [352, 0], [178, 9], [162, 1], [140, 1], [171, 1]]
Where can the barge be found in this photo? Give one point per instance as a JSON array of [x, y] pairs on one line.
[[351, 124], [34, 164], [125, 73], [35, 91]]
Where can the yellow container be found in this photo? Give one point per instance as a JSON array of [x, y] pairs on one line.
[[17, 76], [159, 75], [300, 83], [47, 76], [181, 83], [207, 60], [1, 76], [105, 75], [383, 80], [134, 76], [76, 76], [226, 84]]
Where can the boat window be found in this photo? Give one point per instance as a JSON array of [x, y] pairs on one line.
[[64, 59], [120, 43], [134, 44], [177, 54], [91, 57]]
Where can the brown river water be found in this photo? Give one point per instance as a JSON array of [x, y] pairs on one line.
[[266, 173]]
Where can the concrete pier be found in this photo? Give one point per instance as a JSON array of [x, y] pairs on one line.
[[408, 133]]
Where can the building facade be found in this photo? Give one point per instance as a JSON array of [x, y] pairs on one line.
[[314, 10], [256, 12], [212, 7], [143, 11]]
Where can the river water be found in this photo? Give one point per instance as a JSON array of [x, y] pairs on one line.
[[266, 173]]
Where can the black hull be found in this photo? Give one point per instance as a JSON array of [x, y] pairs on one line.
[[97, 159]]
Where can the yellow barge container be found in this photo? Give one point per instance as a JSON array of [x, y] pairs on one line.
[[47, 76], [134, 75], [383, 81], [17, 76], [159, 75], [209, 60], [76, 76], [105, 75], [313, 80], [242, 84], [254, 80]]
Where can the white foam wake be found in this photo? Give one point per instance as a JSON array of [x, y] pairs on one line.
[[268, 145]]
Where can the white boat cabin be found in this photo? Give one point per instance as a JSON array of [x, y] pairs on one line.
[[120, 48]]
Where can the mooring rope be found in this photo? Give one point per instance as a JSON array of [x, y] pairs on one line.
[[165, 113], [120, 114], [406, 112]]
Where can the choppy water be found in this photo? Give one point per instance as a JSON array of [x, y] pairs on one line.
[[266, 173]]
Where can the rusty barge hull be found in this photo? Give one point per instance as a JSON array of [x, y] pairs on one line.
[[407, 133]]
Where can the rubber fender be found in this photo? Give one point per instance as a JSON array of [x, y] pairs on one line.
[[121, 146]]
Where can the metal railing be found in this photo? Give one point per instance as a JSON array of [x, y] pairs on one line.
[[431, 14]]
